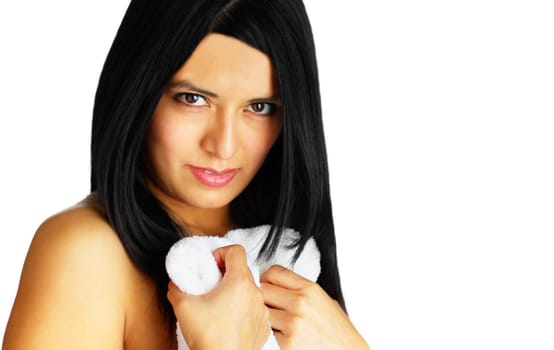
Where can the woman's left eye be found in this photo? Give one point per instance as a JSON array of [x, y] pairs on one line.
[[192, 99], [262, 108]]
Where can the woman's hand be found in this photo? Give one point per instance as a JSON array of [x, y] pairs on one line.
[[232, 315], [303, 316]]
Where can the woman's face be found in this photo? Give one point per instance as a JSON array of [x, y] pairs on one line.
[[214, 125]]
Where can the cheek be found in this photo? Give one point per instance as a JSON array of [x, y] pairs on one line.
[[160, 144], [169, 136], [262, 142], [162, 135]]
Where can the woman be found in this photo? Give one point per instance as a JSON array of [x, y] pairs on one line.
[[207, 117]]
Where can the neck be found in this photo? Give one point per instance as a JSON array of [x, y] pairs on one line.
[[200, 222], [192, 220]]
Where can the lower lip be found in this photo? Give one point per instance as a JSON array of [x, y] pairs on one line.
[[212, 179]]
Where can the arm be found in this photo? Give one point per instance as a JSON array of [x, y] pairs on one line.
[[71, 292], [303, 316]]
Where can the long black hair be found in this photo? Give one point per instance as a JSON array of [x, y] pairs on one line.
[[292, 187]]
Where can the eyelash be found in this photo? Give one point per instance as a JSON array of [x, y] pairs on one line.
[[268, 108], [266, 105], [182, 97]]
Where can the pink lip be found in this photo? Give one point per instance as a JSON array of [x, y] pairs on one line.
[[212, 177]]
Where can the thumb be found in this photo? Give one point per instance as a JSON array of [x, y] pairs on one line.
[[231, 259]]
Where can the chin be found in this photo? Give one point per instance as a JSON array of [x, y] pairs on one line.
[[211, 205], [209, 201]]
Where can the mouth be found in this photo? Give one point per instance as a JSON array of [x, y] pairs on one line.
[[213, 178]]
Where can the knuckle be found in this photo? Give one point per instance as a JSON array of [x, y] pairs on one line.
[[286, 343], [172, 294], [176, 301], [312, 289], [278, 268], [300, 303], [237, 249], [241, 282], [275, 269], [294, 325], [272, 273]]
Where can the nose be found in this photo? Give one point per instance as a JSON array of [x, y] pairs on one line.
[[220, 139]]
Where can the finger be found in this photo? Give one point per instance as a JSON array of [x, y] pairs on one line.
[[174, 294], [280, 320], [172, 290], [281, 339], [276, 296], [231, 259], [266, 331], [284, 277]]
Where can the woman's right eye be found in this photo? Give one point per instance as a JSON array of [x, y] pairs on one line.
[[191, 99]]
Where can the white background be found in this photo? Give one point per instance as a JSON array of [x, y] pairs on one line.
[[440, 131]]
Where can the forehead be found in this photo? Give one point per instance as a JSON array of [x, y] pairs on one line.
[[228, 66]]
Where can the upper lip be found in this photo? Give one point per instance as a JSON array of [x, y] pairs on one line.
[[214, 171]]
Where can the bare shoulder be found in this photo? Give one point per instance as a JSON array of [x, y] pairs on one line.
[[72, 292]]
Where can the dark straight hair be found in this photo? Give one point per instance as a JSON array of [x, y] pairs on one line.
[[292, 187]]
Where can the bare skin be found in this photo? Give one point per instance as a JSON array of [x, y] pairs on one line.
[[303, 316], [245, 325], [88, 295], [79, 290]]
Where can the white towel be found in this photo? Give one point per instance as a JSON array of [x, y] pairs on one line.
[[192, 267]]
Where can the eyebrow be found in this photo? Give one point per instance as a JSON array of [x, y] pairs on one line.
[[185, 84]]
